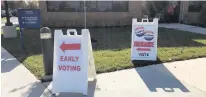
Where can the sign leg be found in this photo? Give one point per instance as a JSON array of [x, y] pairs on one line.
[[54, 95], [85, 93]]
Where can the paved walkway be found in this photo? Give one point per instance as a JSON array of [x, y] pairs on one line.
[[18, 81], [175, 79], [184, 27]]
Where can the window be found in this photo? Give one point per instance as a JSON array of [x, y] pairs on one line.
[[71, 6], [119, 6], [195, 6], [91, 6], [105, 6]]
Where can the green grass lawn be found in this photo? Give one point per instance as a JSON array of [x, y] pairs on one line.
[[112, 52]]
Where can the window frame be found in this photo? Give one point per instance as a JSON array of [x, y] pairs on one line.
[[97, 6], [194, 10]]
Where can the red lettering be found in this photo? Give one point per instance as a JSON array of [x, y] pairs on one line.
[[69, 58], [61, 58], [143, 49], [65, 58], [140, 27], [143, 44], [77, 58], [62, 67], [78, 68], [73, 68], [69, 68]]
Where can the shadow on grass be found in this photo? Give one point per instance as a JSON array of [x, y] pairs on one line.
[[31, 42], [140, 63]]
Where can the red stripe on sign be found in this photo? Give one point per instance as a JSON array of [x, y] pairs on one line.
[[143, 49], [73, 46]]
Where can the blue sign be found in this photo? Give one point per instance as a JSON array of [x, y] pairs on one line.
[[29, 18]]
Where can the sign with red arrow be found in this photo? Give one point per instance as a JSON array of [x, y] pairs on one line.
[[71, 46], [73, 62]]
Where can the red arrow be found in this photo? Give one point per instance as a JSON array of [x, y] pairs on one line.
[[73, 46], [143, 49]]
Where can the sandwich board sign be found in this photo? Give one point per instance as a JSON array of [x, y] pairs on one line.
[[144, 39], [73, 62]]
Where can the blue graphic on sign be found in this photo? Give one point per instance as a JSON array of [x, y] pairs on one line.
[[147, 34], [29, 18]]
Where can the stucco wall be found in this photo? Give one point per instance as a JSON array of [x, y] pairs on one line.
[[70, 19]]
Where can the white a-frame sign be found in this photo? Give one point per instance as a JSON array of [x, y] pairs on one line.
[[73, 62], [144, 40]]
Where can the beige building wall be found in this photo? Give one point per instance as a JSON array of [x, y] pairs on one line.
[[185, 16], [76, 19]]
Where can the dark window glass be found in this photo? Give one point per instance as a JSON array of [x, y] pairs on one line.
[[195, 6], [53, 6], [91, 6], [104, 6], [120, 6], [63, 6]]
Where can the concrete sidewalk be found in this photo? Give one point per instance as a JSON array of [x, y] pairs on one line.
[[175, 79], [18, 81], [183, 27]]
